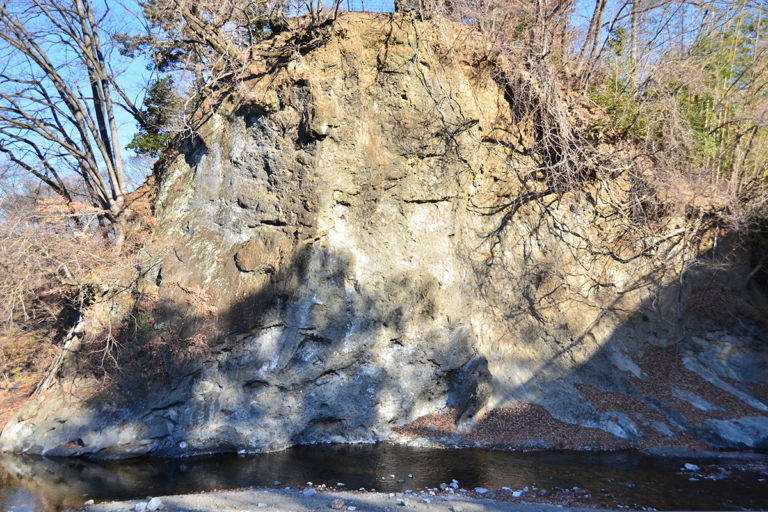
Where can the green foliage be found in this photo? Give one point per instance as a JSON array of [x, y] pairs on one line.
[[624, 110], [617, 42], [158, 108]]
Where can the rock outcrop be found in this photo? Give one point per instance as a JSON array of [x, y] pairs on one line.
[[350, 244]]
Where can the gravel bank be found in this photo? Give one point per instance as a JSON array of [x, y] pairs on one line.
[[300, 501]]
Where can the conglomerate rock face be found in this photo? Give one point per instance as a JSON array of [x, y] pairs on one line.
[[351, 244]]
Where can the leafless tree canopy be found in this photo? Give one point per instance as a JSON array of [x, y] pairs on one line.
[[58, 98]]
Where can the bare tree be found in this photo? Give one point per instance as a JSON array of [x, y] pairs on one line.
[[58, 96], [593, 37]]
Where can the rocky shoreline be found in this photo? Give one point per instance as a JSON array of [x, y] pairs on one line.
[[285, 499]]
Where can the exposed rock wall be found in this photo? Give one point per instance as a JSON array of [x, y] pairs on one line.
[[351, 243]]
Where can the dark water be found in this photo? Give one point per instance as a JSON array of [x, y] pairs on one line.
[[45, 484]]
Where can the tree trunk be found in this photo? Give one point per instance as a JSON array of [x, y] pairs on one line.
[[633, 42], [591, 41]]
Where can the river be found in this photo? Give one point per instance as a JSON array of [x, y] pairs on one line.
[[617, 478]]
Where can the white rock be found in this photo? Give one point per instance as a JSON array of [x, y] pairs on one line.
[[690, 467], [517, 494], [309, 492], [351, 509], [506, 489], [339, 484], [154, 504], [481, 490], [140, 506], [88, 503]]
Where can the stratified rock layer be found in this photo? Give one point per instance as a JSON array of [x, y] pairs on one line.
[[353, 242]]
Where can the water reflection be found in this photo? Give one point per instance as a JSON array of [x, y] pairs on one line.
[[46, 484]]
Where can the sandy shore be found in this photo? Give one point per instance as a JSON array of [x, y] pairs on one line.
[[300, 501]]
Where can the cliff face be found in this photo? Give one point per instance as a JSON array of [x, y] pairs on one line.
[[349, 251]]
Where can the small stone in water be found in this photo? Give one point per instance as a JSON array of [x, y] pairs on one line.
[[481, 490], [431, 493], [410, 475], [506, 489], [517, 494], [337, 504], [455, 484], [309, 484], [261, 505], [140, 507], [339, 484], [426, 500], [362, 489], [88, 503], [351, 509], [309, 492], [392, 476], [690, 467], [277, 482]]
